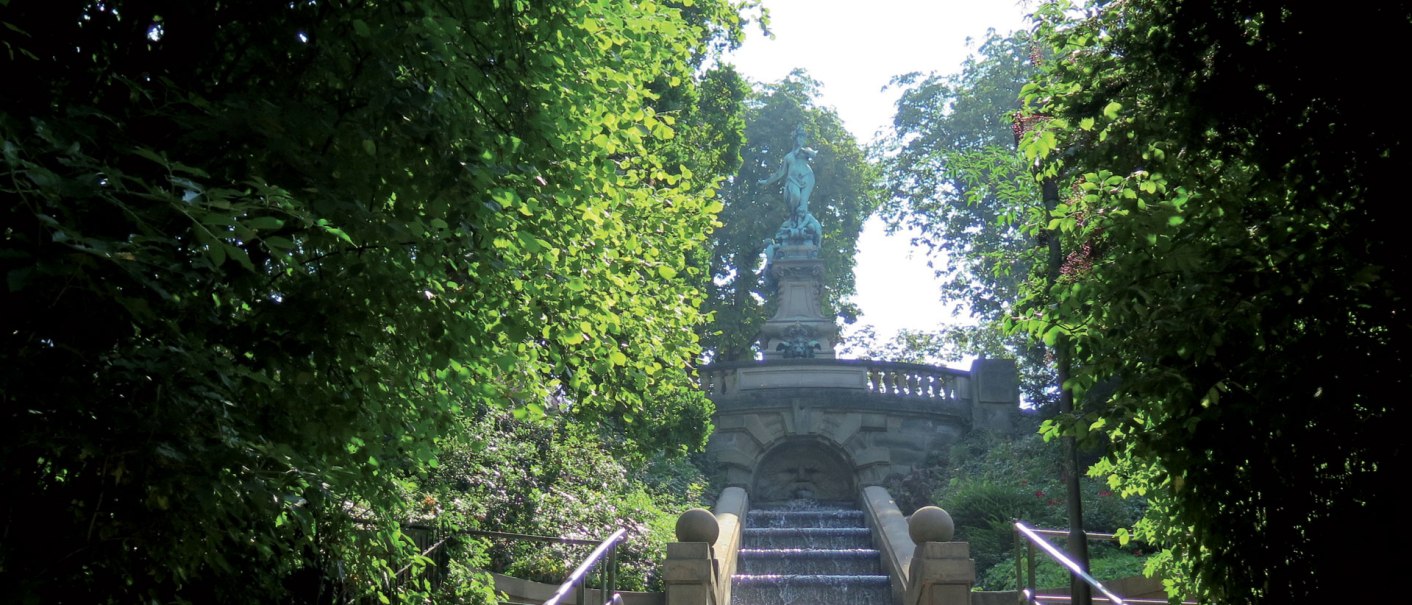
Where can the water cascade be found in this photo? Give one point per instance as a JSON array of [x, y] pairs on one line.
[[806, 552]]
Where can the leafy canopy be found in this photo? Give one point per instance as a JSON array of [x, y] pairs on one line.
[[953, 177], [260, 256], [1233, 276]]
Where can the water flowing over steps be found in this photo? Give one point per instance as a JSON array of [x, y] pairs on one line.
[[808, 554]]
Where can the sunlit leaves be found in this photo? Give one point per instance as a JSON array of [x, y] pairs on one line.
[[272, 254], [955, 177]]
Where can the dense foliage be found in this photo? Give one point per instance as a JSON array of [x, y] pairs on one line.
[[555, 479], [1234, 274], [843, 197], [260, 256], [953, 177], [989, 481]]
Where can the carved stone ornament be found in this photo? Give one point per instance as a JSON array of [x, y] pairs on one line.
[[799, 343], [800, 272]]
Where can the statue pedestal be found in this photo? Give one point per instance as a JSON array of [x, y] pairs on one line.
[[799, 329]]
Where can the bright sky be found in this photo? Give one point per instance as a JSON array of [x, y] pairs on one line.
[[855, 48]]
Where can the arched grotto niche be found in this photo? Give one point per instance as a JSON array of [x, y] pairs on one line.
[[804, 470]]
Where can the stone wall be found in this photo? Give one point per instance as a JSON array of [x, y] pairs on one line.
[[824, 428]]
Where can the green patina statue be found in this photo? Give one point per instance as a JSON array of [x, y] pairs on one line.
[[798, 175], [800, 235]]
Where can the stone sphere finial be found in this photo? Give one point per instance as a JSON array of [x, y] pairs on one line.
[[928, 524], [697, 525]]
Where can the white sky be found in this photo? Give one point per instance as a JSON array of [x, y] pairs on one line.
[[854, 48]]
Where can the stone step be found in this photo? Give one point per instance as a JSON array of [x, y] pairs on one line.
[[819, 556], [774, 561], [792, 518], [780, 589], [806, 537], [811, 579]]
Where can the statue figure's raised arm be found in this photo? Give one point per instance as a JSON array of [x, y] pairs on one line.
[[774, 178]]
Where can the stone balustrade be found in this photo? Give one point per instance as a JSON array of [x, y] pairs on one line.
[[914, 380], [881, 378]]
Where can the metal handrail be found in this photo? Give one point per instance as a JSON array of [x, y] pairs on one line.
[[608, 547], [1054, 553], [610, 572]]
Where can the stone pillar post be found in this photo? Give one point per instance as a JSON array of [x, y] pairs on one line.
[[699, 564], [942, 574], [995, 387], [942, 570], [691, 566], [690, 574]]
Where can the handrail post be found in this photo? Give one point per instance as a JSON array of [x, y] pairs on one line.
[[1030, 578], [1018, 551], [612, 586]]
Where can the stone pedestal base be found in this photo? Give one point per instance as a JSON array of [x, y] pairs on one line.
[[942, 574], [799, 328]]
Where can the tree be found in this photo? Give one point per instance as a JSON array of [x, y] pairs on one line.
[[559, 478], [1233, 275], [260, 257], [954, 177], [843, 197]]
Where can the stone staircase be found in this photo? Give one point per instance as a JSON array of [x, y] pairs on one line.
[[808, 553]]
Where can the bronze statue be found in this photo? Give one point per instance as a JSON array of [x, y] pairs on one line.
[[798, 175]]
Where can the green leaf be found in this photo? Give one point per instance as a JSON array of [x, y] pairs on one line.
[[238, 254], [278, 243], [1052, 335], [267, 223]]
